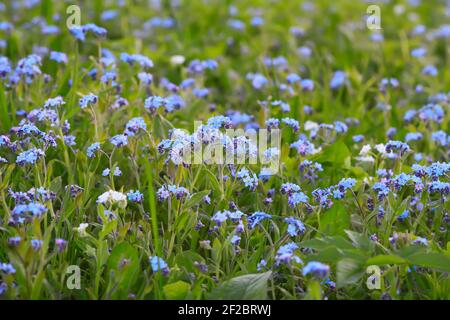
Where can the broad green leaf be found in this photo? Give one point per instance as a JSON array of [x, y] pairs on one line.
[[337, 154], [349, 271], [195, 199], [385, 259], [247, 287], [335, 220], [124, 261], [431, 260], [177, 290]]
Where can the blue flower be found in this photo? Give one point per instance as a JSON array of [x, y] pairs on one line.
[[29, 156], [36, 244], [413, 136], [140, 59], [256, 218], [236, 24], [441, 138], [198, 66], [418, 52], [303, 146], [28, 67], [382, 189], [158, 264], [293, 78], [409, 115], [54, 102], [294, 124], [438, 169], [283, 105], [3, 288], [7, 268], [235, 215], [145, 78], [78, 33], [297, 198], [134, 125], [420, 241], [220, 217], [61, 244], [403, 216], [14, 241], [339, 78], [358, 138], [323, 196], [135, 196], [90, 27], [307, 85], [272, 123], [108, 15], [278, 62], [109, 77], [5, 67], [258, 80], [119, 140], [295, 226], [346, 183], [92, 149], [165, 23], [431, 112], [235, 240], [187, 83], [317, 269], [174, 102], [250, 179], [430, 70], [88, 100], [154, 102], [340, 127], [397, 146], [261, 265], [59, 57], [439, 187], [286, 255], [166, 191]]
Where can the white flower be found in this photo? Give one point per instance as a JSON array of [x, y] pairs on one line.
[[365, 150], [368, 180], [112, 197], [316, 150], [177, 59], [365, 159], [311, 125], [381, 148], [82, 229]]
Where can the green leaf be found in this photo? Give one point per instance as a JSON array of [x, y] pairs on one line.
[[4, 113], [335, 220], [195, 199], [108, 227], [177, 290], [186, 260], [385, 259], [349, 271], [360, 241], [247, 287], [431, 260], [124, 261], [212, 179], [337, 154]]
